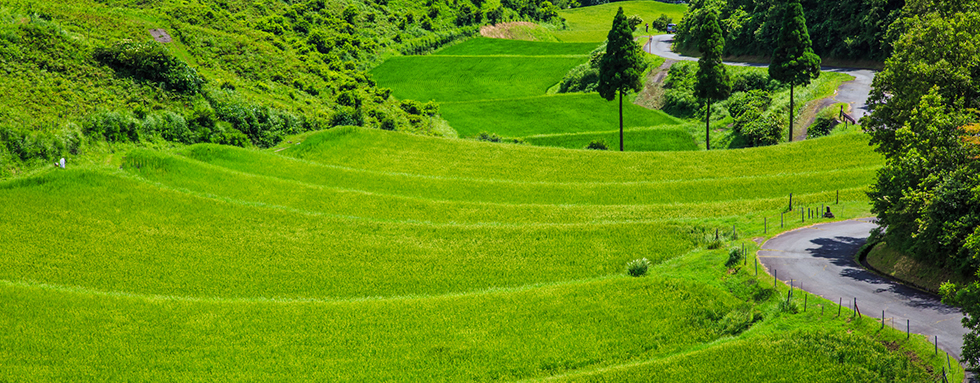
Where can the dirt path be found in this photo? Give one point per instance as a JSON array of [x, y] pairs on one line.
[[651, 97]]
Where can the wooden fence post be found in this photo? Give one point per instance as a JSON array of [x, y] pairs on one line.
[[840, 304]]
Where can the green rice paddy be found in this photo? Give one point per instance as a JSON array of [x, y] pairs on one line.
[[591, 24], [501, 86], [365, 255]]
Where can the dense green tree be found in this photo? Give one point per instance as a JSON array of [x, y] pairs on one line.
[[793, 61], [854, 29], [924, 113], [713, 81], [622, 65]]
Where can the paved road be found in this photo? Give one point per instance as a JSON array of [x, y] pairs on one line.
[[821, 258], [854, 92]]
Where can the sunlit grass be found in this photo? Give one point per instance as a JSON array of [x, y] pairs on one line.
[[588, 24]]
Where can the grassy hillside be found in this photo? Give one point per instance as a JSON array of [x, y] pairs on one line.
[[591, 24], [367, 255], [81, 73], [564, 113]]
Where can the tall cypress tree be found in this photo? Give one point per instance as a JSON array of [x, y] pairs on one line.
[[794, 62], [713, 81], [620, 68]]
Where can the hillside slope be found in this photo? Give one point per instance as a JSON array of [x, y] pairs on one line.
[[80, 73]]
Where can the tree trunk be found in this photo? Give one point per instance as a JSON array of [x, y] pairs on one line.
[[620, 120], [791, 113], [707, 128]]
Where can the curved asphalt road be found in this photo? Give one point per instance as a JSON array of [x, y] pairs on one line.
[[821, 258], [854, 92]]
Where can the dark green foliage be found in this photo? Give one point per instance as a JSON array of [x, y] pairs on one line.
[[494, 137], [112, 126], [598, 145], [638, 267], [621, 67], [742, 102], [436, 40], [763, 131], [856, 29], [660, 23], [735, 257], [622, 64], [17, 144], [744, 81], [585, 77], [793, 60], [679, 99], [150, 61], [347, 117], [753, 119], [821, 127], [712, 79], [467, 15], [168, 126]]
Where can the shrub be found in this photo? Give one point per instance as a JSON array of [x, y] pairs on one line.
[[681, 76], [114, 126], [388, 123], [680, 102], [347, 117], [740, 102], [735, 257], [767, 130], [493, 137], [821, 127], [744, 81], [598, 145], [638, 267], [151, 62], [584, 77], [168, 125]]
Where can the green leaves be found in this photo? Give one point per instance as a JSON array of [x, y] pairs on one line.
[[622, 65], [793, 61], [713, 82]]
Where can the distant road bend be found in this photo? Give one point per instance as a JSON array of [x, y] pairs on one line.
[[821, 258], [855, 93]]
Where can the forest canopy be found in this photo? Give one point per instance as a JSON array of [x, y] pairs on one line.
[[852, 30]]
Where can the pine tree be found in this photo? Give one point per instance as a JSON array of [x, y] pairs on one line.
[[621, 66], [713, 81], [794, 62]]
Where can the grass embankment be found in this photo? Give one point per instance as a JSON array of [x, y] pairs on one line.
[[656, 139], [591, 24], [468, 78], [904, 267], [225, 263], [502, 47], [554, 114]]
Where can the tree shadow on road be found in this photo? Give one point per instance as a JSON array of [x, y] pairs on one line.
[[840, 251]]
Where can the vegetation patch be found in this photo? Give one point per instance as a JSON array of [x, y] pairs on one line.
[[591, 24], [570, 113], [906, 268]]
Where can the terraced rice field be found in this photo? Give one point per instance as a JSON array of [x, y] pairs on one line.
[[501, 86], [591, 24], [365, 255]]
